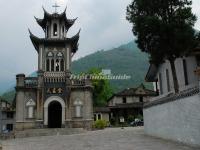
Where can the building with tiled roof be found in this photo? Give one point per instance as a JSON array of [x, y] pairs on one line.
[[129, 102]]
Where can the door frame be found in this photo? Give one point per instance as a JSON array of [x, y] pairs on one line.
[[46, 106]]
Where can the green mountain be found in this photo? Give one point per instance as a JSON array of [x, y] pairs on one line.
[[124, 60]]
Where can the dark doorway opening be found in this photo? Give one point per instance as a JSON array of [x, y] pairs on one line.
[[54, 115]]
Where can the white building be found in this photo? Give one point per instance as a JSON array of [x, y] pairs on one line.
[[175, 116], [162, 75]]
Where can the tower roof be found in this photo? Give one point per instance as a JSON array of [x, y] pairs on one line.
[[48, 41], [61, 17]]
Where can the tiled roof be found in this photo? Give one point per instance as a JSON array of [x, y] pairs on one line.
[[137, 92], [101, 109], [128, 105], [37, 41], [49, 17], [173, 97]]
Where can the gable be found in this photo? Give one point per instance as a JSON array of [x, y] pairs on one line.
[[30, 102], [140, 91]]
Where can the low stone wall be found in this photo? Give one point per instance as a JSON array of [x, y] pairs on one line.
[[85, 124], [176, 117], [24, 125]]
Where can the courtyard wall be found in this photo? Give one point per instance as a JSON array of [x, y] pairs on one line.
[[175, 117]]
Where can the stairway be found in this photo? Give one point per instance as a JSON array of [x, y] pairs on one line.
[[48, 132]]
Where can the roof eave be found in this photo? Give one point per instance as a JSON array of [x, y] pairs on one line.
[[69, 23], [41, 22], [35, 40], [75, 40]]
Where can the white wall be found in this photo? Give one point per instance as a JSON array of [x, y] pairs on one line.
[[192, 78], [177, 120]]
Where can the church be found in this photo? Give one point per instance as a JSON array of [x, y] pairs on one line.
[[52, 99]]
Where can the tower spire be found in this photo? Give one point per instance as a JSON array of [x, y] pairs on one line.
[[55, 6]]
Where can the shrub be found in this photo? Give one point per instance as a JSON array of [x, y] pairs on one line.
[[100, 124], [139, 117], [112, 121], [130, 118]]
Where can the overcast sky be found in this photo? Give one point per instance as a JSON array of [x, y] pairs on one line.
[[102, 22]]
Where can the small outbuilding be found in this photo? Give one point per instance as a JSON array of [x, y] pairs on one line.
[[128, 104]]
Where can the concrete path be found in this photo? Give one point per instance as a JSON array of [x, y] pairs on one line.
[[108, 139]]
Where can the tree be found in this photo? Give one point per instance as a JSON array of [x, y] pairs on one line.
[[164, 29], [102, 89]]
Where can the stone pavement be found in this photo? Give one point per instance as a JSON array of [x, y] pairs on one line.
[[108, 139]]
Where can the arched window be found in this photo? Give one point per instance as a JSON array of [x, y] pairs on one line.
[[47, 31], [49, 61], [52, 65], [63, 31], [50, 54], [59, 54], [57, 65], [55, 29], [60, 61], [78, 108], [62, 64], [48, 65]]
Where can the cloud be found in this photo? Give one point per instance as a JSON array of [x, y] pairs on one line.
[[102, 22], [196, 10]]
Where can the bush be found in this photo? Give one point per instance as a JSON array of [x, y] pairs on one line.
[[130, 118], [112, 121], [139, 117], [100, 124]]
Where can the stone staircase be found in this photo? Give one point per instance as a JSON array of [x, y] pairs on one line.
[[46, 132]]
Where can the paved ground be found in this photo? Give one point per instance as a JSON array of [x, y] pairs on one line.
[[108, 139]]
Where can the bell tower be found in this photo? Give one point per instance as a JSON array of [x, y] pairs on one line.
[[52, 99], [55, 52], [56, 49]]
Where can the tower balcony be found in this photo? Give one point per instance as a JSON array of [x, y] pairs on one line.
[[54, 74], [31, 82], [57, 77], [76, 82]]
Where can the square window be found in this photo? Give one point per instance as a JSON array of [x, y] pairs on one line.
[[99, 116], [9, 127], [124, 100], [10, 115]]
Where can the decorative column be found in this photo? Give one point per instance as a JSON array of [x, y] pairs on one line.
[[20, 108], [40, 58], [40, 99]]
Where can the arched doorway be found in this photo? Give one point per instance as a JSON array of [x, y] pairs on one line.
[[54, 115], [46, 109]]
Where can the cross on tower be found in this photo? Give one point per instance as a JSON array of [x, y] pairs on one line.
[[55, 6]]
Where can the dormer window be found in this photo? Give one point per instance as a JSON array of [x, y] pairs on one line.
[[55, 29]]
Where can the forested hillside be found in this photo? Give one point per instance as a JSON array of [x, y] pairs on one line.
[[126, 59]]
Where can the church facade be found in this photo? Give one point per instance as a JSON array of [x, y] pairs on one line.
[[53, 99]]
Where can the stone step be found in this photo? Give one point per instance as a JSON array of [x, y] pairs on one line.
[[48, 132]]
